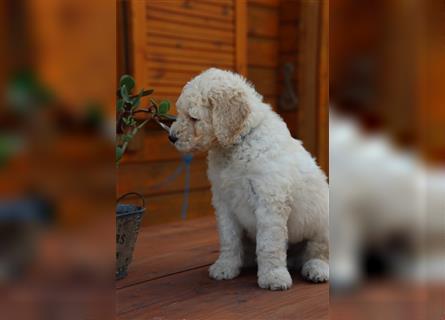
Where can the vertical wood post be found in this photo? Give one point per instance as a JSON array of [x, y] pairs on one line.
[[241, 36]]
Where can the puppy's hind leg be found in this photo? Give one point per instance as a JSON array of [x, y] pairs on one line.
[[316, 261]]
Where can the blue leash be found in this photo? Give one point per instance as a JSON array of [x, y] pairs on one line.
[[187, 161]]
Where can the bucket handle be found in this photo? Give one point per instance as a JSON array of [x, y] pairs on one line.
[[125, 195]]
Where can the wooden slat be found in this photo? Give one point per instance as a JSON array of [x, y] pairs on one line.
[[192, 295], [138, 28], [323, 100], [267, 3], [289, 11], [160, 75], [195, 9], [182, 19], [264, 79], [218, 2], [188, 55], [182, 43], [152, 259], [289, 38], [262, 22], [241, 37], [167, 208], [291, 119], [272, 100], [308, 80], [146, 178], [262, 52], [172, 29], [190, 69]]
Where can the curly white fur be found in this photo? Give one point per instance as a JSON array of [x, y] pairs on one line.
[[266, 187]]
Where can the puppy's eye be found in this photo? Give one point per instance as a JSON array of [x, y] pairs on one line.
[[193, 119]]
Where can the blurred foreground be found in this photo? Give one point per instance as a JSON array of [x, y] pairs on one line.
[[56, 159], [387, 155]]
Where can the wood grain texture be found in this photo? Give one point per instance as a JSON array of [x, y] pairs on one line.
[[241, 37], [308, 81], [262, 52], [167, 207], [264, 80], [262, 22], [148, 179], [266, 3], [199, 9], [162, 251], [169, 280], [323, 113]]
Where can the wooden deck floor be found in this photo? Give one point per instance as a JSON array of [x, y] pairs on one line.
[[168, 280]]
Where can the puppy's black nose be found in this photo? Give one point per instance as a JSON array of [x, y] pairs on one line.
[[173, 139]]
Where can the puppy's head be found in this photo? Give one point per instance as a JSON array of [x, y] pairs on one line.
[[212, 110]]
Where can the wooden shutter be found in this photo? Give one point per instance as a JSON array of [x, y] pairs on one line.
[[171, 42], [176, 40]]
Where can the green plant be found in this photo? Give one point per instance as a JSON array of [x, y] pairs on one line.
[[128, 106]]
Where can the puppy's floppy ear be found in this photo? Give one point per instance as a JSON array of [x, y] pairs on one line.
[[230, 112]]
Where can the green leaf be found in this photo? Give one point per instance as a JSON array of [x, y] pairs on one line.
[[128, 81], [164, 106], [120, 105], [119, 153], [127, 120], [137, 100], [124, 94], [147, 92]]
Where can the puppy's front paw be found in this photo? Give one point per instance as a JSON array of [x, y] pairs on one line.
[[275, 279], [315, 270], [224, 269]]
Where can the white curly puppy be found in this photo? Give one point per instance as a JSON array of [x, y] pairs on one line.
[[267, 189]]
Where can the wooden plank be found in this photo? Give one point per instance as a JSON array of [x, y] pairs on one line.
[[289, 38], [262, 22], [167, 208], [262, 52], [182, 43], [161, 251], [148, 179], [241, 37], [138, 27], [192, 295], [173, 76], [192, 69], [190, 31], [189, 55], [323, 114], [182, 19], [289, 11], [291, 119], [308, 74], [195, 9], [218, 2], [267, 3], [272, 101], [264, 79], [177, 60]]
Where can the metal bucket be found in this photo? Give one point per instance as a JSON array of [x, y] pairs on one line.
[[128, 221]]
